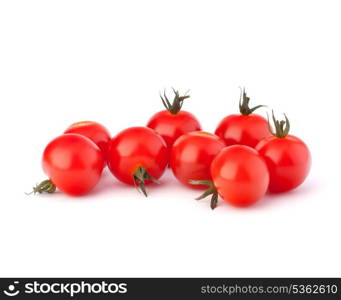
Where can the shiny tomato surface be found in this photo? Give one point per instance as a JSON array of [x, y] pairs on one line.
[[73, 163], [240, 175], [288, 160], [243, 129], [171, 126], [192, 154], [137, 147], [94, 131]]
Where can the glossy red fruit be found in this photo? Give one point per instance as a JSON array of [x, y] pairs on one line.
[[173, 122], [94, 131], [239, 175], [288, 158], [192, 155], [73, 164], [245, 128], [137, 156]]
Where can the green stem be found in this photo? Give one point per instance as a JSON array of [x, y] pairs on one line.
[[140, 176], [178, 100], [45, 186], [282, 127], [210, 191], [244, 101]]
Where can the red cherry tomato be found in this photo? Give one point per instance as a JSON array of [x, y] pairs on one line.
[[94, 131], [73, 164], [138, 155], [239, 175], [192, 154], [288, 158], [172, 122], [243, 129]]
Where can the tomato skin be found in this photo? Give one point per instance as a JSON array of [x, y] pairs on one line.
[[240, 175], [137, 147], [288, 160], [94, 131], [243, 130], [171, 126], [192, 154], [73, 163]]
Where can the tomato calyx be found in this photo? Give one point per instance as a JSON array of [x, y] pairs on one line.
[[244, 101], [210, 191], [178, 100], [282, 127], [45, 186], [140, 176]]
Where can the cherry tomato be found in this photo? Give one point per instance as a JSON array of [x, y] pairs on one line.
[[94, 131], [138, 155], [172, 122], [73, 164], [288, 158], [239, 175], [192, 154], [245, 128]]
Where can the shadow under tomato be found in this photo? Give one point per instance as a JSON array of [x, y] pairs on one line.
[[304, 190], [108, 183], [271, 199]]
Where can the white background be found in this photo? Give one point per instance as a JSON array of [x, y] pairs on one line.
[[67, 61]]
